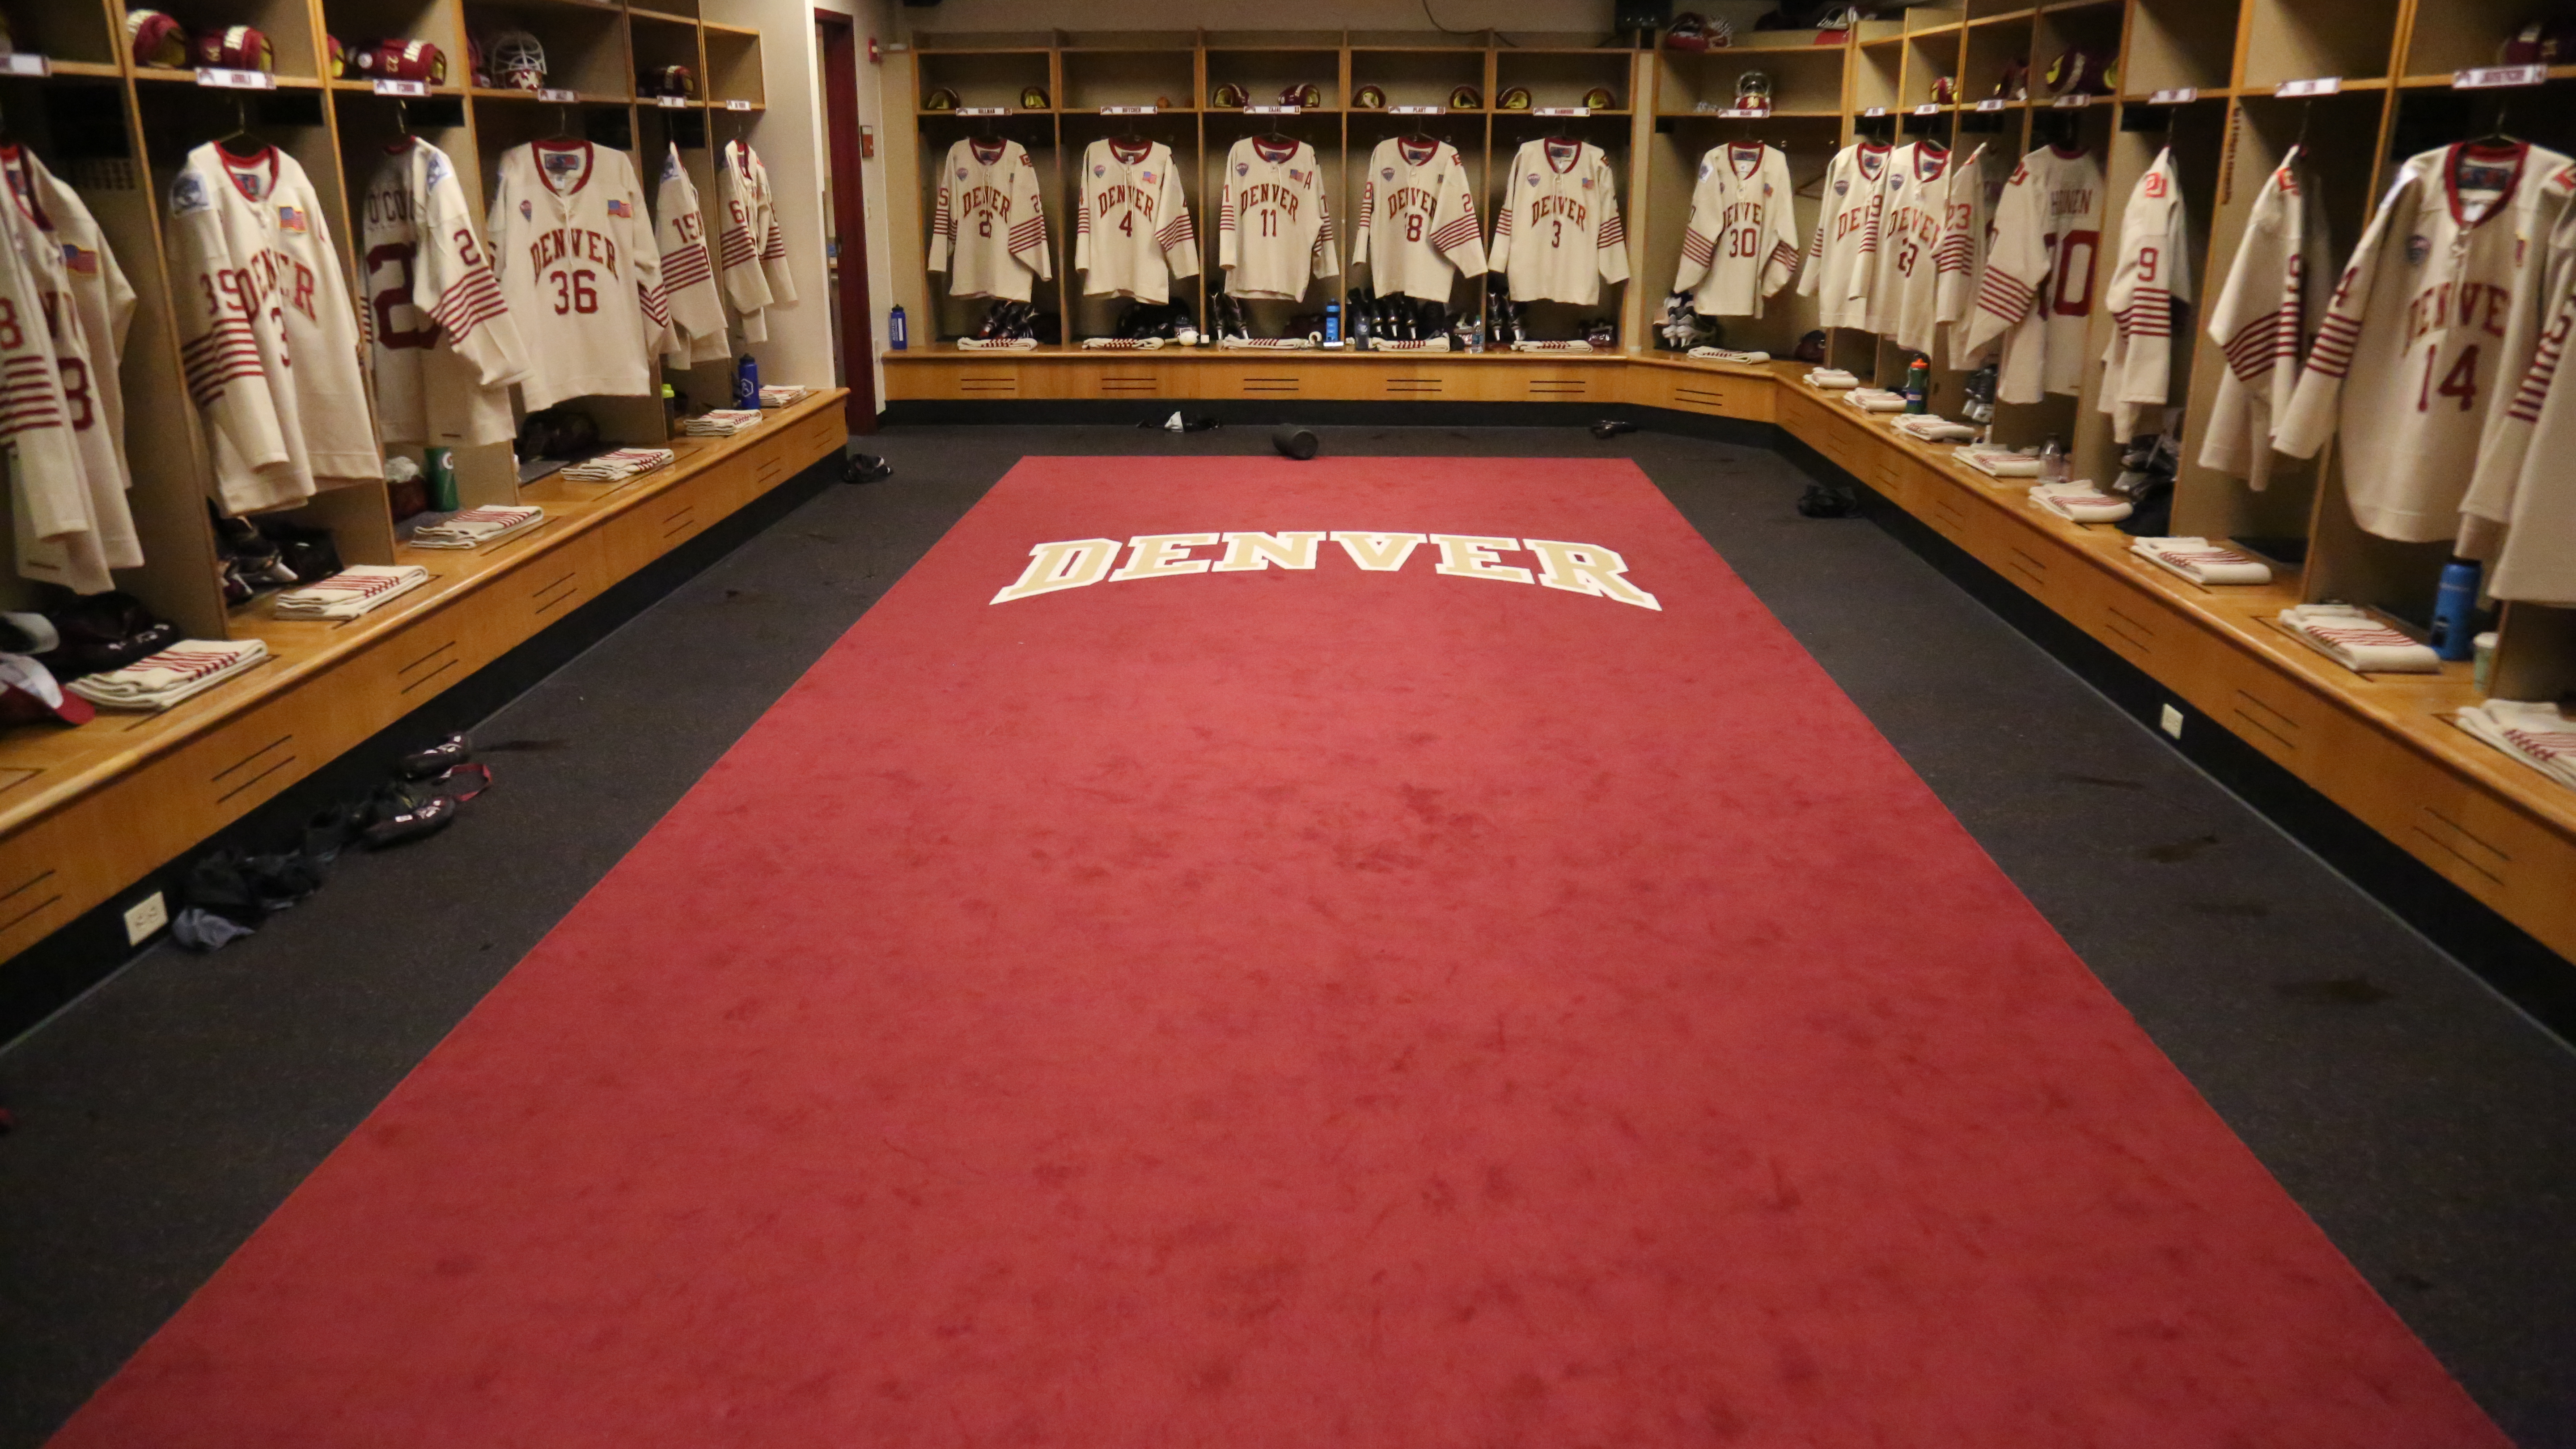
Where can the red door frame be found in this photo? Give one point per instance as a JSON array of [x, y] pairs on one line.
[[839, 40]]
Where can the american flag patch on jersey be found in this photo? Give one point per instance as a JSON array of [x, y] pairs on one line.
[[81, 261], [619, 208], [290, 218]]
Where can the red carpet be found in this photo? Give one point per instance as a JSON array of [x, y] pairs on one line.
[[1297, 1008]]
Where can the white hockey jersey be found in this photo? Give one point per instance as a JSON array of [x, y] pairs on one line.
[[2037, 291], [2150, 284], [1132, 231], [87, 308], [1833, 269], [1905, 262], [1418, 230], [752, 253], [2270, 307], [1274, 232], [444, 344], [688, 268], [268, 337], [1558, 235], [1967, 240], [987, 228], [2520, 513], [2437, 312], [577, 263], [1741, 245]]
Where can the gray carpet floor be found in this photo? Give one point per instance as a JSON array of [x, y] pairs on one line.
[[2423, 1122]]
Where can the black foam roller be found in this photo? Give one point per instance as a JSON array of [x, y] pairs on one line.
[[1295, 443]]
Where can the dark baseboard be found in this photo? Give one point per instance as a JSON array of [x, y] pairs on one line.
[[55, 971], [1318, 413]]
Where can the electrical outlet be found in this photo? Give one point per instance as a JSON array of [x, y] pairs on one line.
[[2171, 720], [144, 917]]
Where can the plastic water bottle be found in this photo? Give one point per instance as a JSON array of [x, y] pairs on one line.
[[897, 337], [1918, 384], [746, 382], [1332, 324], [2455, 611], [2052, 461]]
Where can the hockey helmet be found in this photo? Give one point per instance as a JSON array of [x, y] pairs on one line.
[[1688, 31], [339, 57], [2541, 42], [1466, 98], [1753, 91], [1227, 97], [518, 61], [475, 69], [1945, 90], [1515, 99], [1599, 99], [1838, 17], [666, 80], [1305, 96], [157, 40], [1033, 98], [2015, 84], [411, 60], [235, 47], [942, 99], [2080, 70], [1369, 98]]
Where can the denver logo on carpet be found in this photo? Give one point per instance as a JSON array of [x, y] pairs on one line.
[[1576, 568]]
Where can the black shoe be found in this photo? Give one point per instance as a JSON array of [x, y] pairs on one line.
[[438, 759], [410, 822], [1609, 428], [865, 468]]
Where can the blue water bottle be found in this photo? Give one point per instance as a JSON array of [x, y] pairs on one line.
[[897, 338], [1333, 323], [746, 382], [2455, 611]]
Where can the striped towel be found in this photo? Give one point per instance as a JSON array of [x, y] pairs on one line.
[[2359, 640], [2536, 734], [182, 671], [351, 592], [2201, 561], [476, 527], [720, 422], [619, 464]]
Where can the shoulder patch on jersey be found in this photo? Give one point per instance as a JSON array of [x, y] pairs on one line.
[[1842, 187], [670, 165], [1533, 178], [527, 211], [1025, 161], [188, 195], [1242, 168], [1388, 173], [439, 170], [2418, 247], [1099, 170], [961, 173], [1704, 170]]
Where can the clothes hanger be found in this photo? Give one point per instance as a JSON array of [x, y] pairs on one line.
[[2497, 136], [241, 125]]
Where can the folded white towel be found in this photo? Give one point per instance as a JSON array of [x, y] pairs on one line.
[[2536, 734], [1123, 344], [184, 670], [1422, 344], [1875, 400], [476, 527], [998, 344], [1931, 429], [1566, 346], [351, 592], [1268, 344], [2001, 462], [1723, 354], [720, 422], [2201, 561], [1831, 379], [784, 393], [619, 464], [2081, 502], [2358, 640]]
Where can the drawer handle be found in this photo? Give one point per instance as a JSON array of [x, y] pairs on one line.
[[28, 898], [271, 767]]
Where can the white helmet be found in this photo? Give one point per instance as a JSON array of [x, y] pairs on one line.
[[518, 61]]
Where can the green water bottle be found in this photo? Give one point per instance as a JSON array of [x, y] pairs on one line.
[[442, 480], [1918, 384]]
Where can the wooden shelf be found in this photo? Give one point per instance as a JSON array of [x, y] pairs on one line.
[[580, 98]]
